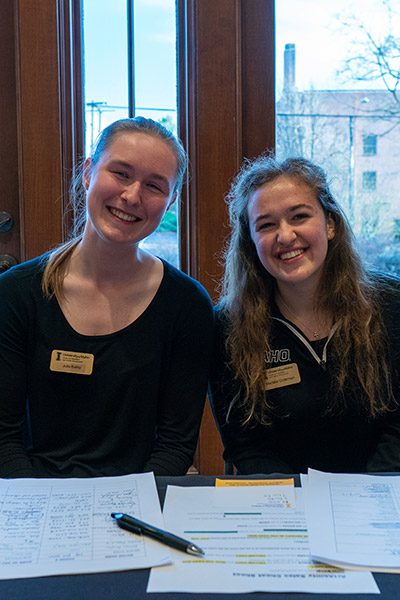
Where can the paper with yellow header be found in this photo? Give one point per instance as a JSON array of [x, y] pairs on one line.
[[255, 539]]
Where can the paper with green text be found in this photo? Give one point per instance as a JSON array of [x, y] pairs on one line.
[[254, 538]]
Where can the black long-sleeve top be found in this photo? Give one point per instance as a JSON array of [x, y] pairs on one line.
[[303, 433], [139, 409]]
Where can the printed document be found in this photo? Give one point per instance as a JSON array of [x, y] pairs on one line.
[[59, 526], [354, 520], [254, 538]]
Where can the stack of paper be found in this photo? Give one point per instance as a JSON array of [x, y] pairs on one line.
[[354, 520]]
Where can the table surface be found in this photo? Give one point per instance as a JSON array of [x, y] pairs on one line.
[[128, 585]]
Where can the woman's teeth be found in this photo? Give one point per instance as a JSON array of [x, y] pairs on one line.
[[123, 216], [291, 254]]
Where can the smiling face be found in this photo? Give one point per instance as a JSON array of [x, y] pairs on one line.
[[129, 189], [290, 231]]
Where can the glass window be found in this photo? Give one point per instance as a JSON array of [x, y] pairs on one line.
[[106, 65], [153, 89], [369, 180], [334, 88], [369, 145], [155, 96]]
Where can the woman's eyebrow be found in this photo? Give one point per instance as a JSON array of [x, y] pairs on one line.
[[120, 163], [302, 205]]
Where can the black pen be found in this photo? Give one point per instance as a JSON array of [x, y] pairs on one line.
[[140, 528]]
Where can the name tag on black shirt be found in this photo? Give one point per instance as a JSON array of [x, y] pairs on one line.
[[65, 361], [282, 376]]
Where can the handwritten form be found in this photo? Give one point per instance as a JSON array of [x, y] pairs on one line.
[[59, 526], [254, 538], [361, 520]]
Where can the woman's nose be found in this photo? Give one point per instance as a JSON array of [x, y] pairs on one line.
[[286, 233], [132, 193]]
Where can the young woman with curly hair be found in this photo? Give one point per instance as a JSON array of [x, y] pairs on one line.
[[307, 355]]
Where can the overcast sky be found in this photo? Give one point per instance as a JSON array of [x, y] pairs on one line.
[[314, 26], [322, 43]]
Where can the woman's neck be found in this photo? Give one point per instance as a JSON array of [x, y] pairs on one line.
[[301, 299], [299, 306], [106, 263], [105, 293]]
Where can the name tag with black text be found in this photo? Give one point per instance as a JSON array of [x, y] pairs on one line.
[[282, 376], [65, 361]]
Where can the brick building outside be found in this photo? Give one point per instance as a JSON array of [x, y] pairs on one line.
[[355, 136]]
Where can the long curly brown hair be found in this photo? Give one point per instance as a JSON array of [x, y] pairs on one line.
[[345, 290]]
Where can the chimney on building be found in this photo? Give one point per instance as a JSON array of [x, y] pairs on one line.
[[289, 68]]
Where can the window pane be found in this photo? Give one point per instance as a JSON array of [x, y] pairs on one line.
[[105, 63], [369, 180], [155, 96], [155, 60], [338, 105], [369, 145]]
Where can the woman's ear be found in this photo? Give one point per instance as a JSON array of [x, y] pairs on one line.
[[87, 172], [330, 228]]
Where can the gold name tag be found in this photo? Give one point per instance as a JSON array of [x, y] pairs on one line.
[[71, 362], [282, 376]]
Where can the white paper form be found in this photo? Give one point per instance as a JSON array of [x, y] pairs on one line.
[[253, 541], [354, 520], [59, 526]]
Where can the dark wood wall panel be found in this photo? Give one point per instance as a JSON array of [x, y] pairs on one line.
[[9, 196], [210, 113], [258, 77], [218, 130], [40, 128]]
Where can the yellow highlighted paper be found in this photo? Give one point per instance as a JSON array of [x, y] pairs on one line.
[[241, 482]]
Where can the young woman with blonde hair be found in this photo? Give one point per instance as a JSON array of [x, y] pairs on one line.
[[104, 348], [307, 356]]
